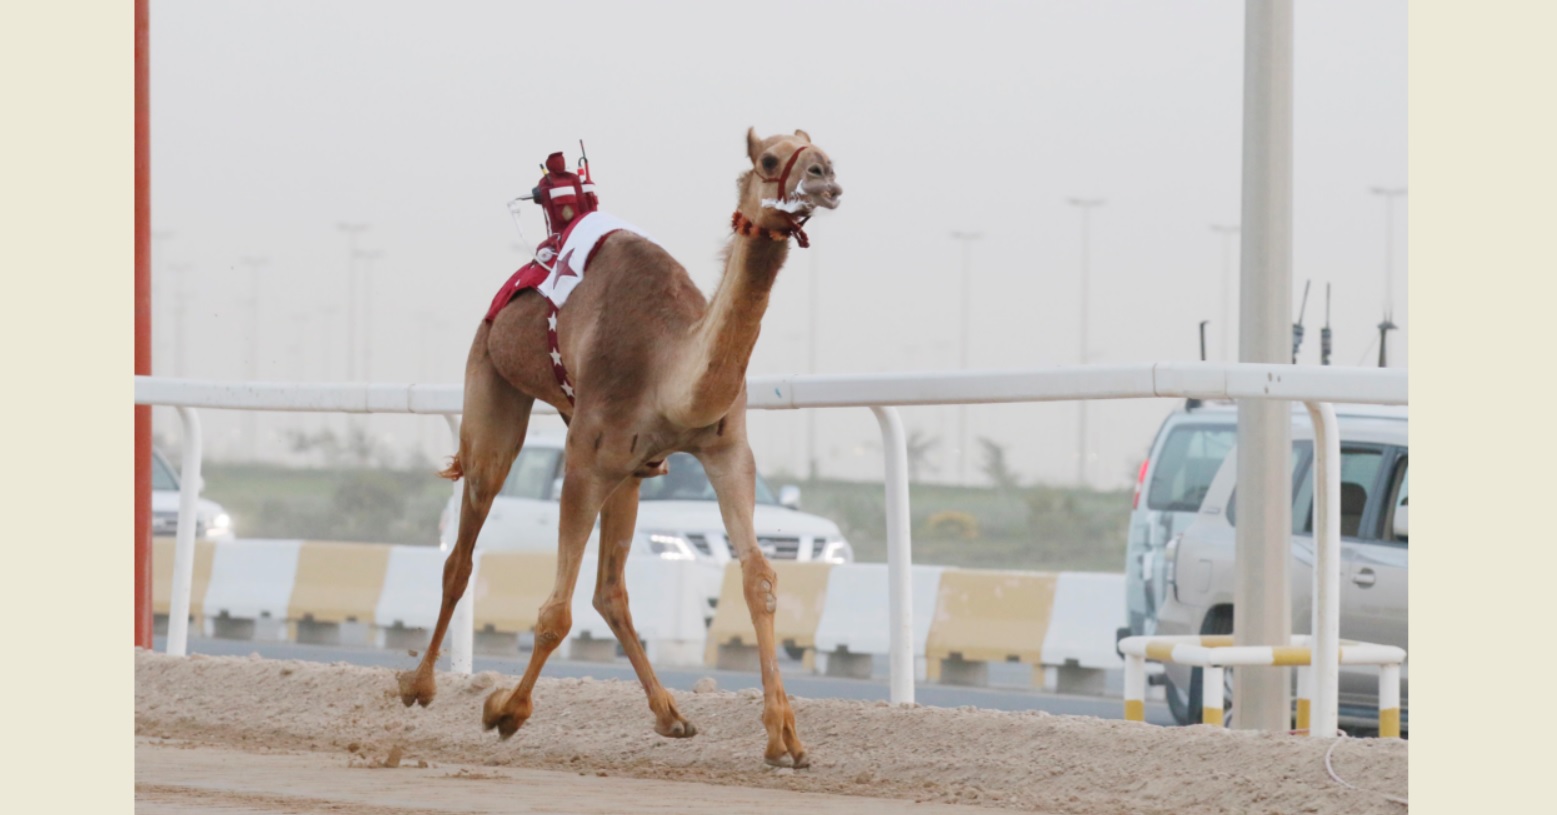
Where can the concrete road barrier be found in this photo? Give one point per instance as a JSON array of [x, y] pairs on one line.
[[251, 588], [801, 595], [1088, 610], [162, 579], [335, 592], [984, 616], [509, 589], [856, 625], [412, 596]]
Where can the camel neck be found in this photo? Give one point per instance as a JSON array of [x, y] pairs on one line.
[[724, 338]]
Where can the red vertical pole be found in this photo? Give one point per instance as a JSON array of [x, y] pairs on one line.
[[143, 623]]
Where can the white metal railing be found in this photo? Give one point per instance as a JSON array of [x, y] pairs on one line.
[[1315, 386]]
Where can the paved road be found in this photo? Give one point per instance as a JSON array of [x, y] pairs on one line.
[[796, 681]]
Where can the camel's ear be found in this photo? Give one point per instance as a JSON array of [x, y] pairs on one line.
[[804, 135], [753, 144]]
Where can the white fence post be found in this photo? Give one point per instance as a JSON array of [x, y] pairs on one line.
[[900, 578], [184, 543], [1326, 649]]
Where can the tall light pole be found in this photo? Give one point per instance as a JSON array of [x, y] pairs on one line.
[[967, 239], [1228, 233], [180, 300], [159, 292], [367, 258], [253, 264], [815, 321], [352, 230], [1086, 205], [1388, 323]]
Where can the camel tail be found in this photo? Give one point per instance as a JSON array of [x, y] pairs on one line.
[[455, 471]]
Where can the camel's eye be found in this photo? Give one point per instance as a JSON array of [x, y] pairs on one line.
[[770, 163], [816, 169]]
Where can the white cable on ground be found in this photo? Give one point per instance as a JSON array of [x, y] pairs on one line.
[[1331, 770]]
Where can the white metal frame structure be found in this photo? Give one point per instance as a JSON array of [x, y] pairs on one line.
[[1314, 385]]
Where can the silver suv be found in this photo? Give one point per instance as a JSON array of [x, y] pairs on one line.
[[1197, 568]]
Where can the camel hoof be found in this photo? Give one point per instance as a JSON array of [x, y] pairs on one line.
[[493, 716], [417, 688], [681, 729], [799, 762]]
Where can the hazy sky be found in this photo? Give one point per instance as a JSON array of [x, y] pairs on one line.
[[273, 122]]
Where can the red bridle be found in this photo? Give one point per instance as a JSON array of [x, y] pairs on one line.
[[743, 225]]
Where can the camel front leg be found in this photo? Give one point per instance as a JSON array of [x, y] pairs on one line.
[[733, 473], [618, 519], [583, 491]]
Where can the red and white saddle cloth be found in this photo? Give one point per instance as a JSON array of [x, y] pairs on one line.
[[555, 276]]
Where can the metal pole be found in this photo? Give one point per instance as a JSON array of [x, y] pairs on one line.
[[1227, 233], [1262, 612], [967, 239], [367, 259], [180, 301], [814, 293], [1086, 205], [250, 427], [1326, 614], [900, 577], [352, 230], [143, 575], [184, 543], [1388, 323]]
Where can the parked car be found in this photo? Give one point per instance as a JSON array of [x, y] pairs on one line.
[[678, 514], [1198, 572], [211, 521]]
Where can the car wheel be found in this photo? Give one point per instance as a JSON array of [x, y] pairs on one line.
[[1177, 704], [797, 653], [1219, 621]]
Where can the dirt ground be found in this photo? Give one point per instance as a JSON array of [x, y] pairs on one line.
[[264, 736]]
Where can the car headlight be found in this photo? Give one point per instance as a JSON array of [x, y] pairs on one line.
[[836, 550], [221, 523], [669, 546]]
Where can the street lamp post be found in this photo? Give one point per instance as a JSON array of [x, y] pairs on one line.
[[352, 230], [1228, 233], [367, 258], [967, 239], [816, 301], [1086, 205], [250, 429], [1388, 323]]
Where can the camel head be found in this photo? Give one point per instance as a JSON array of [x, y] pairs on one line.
[[809, 183]]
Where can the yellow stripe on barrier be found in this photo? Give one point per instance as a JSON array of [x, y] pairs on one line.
[[1289, 655], [1389, 723], [801, 595], [1160, 651], [510, 588], [1135, 710], [1211, 716], [162, 576], [1302, 713], [990, 616], [1216, 640], [338, 582]]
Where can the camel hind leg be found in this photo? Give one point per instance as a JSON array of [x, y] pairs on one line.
[[618, 519], [496, 417]]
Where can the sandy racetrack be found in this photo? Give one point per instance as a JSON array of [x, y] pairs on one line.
[[348, 716]]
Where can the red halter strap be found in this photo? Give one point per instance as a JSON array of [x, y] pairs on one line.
[[743, 226]]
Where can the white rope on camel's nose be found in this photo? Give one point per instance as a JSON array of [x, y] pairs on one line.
[[791, 206]]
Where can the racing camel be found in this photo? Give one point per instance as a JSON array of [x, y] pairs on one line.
[[655, 368]]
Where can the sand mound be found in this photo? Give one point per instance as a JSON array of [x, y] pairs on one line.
[[1026, 761]]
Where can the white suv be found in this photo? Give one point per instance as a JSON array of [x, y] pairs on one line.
[[678, 515]]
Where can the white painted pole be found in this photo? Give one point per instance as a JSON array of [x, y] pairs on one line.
[[1135, 688], [462, 625], [184, 543], [900, 581], [1262, 612], [1326, 629]]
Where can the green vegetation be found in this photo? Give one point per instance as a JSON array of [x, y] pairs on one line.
[[1016, 527]]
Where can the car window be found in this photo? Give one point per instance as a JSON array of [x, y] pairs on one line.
[[162, 477], [1402, 494], [1300, 456], [1359, 478], [532, 474], [687, 481], [1189, 459]]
